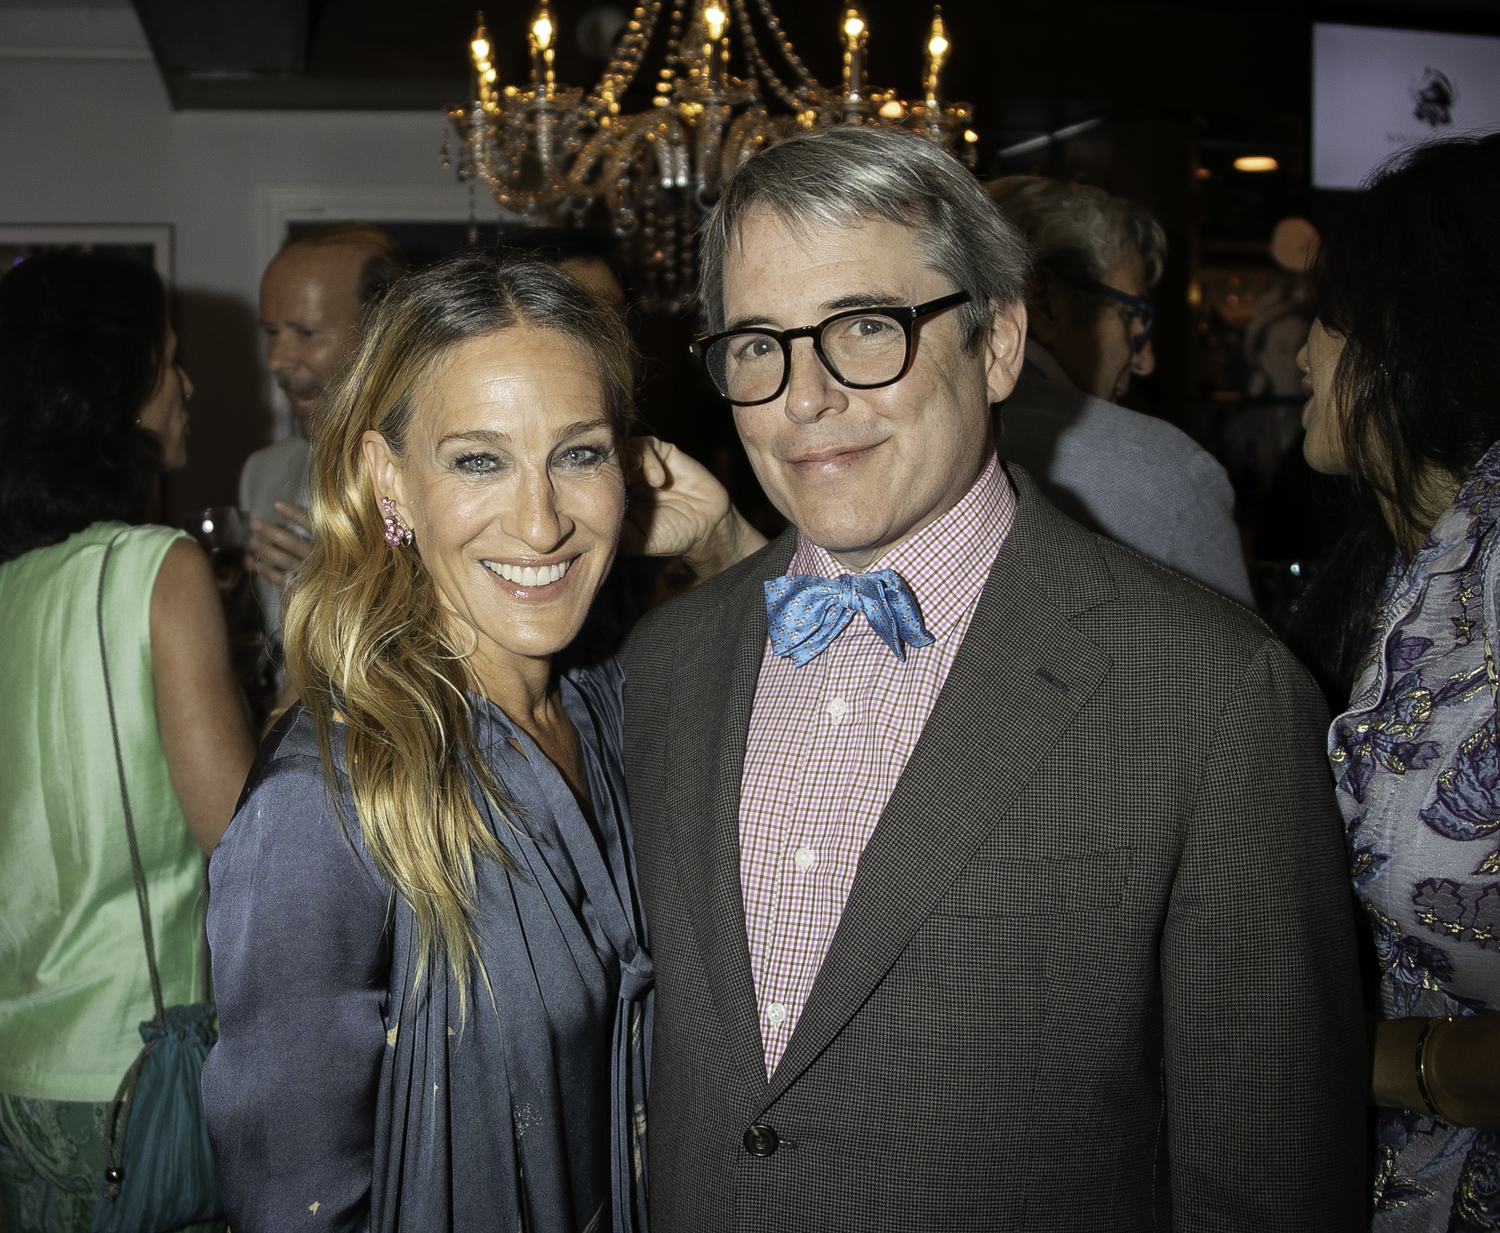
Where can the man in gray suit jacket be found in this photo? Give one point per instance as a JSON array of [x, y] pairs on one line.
[[1135, 478], [993, 873]]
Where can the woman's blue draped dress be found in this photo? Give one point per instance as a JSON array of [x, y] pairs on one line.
[[345, 1092]]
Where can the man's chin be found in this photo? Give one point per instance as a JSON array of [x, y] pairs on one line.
[[853, 543], [307, 420]]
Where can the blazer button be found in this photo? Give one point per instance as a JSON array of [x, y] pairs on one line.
[[762, 1140]]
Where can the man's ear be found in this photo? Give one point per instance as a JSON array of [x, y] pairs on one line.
[[385, 472], [1005, 350], [1046, 305]]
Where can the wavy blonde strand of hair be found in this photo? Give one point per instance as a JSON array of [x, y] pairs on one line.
[[368, 644]]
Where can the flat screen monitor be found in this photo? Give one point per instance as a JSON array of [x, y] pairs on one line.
[[1376, 92]]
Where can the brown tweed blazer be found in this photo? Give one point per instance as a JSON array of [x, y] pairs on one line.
[[1097, 969]]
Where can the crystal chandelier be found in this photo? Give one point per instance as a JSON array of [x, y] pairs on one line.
[[553, 154]]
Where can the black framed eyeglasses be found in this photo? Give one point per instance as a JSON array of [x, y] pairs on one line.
[[1143, 309], [863, 349]]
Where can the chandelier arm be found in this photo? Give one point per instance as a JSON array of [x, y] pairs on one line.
[[784, 44], [758, 62], [674, 64], [596, 169], [626, 63]]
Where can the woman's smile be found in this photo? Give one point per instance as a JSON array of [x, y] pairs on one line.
[[533, 581]]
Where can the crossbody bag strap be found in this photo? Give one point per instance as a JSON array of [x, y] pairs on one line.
[[135, 853]]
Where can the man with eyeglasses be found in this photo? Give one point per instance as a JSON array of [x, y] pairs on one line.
[[1136, 478], [992, 871]]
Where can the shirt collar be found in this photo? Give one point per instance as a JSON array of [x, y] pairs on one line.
[[945, 563], [1046, 365]]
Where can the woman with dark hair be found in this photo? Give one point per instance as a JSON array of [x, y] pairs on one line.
[[92, 408], [431, 967], [1403, 376]]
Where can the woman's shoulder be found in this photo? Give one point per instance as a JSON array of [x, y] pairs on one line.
[[139, 533], [289, 760], [145, 540], [144, 544], [142, 555], [292, 815]]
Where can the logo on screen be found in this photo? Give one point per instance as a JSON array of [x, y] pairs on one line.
[[1434, 96]]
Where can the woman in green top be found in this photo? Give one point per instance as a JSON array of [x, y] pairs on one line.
[[91, 410]]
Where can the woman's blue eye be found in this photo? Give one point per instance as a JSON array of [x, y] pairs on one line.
[[477, 464], [582, 456]]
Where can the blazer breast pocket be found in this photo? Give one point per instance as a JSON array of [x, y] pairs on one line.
[[1053, 885], [1014, 940]]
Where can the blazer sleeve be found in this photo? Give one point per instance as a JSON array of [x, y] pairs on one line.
[[1263, 1024], [297, 924]]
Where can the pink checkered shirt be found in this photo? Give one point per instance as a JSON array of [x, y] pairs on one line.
[[829, 740]]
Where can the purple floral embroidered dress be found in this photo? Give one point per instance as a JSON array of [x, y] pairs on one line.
[[1419, 786]]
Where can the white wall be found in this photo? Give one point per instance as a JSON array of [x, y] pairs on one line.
[[94, 140]]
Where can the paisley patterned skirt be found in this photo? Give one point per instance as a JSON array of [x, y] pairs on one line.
[[52, 1166]]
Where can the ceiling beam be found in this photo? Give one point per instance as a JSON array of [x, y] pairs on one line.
[[227, 36]]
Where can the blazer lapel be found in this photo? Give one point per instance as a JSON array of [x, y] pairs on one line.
[[707, 734], [1021, 675]]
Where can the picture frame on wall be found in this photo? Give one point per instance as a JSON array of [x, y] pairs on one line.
[[151, 243]]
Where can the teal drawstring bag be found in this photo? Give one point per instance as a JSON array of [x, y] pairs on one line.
[[160, 1171], [159, 1165]]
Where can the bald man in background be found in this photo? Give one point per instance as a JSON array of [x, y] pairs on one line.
[[312, 297]]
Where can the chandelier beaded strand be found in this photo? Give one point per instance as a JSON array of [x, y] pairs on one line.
[[550, 153]]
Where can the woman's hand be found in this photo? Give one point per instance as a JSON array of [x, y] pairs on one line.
[[678, 508], [1463, 1068]]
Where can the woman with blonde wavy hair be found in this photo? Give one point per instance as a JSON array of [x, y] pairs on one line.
[[428, 952]]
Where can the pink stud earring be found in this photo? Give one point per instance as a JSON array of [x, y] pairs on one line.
[[396, 531]]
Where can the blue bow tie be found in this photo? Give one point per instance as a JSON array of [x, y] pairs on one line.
[[804, 613]]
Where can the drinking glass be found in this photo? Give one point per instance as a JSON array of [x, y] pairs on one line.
[[223, 531]]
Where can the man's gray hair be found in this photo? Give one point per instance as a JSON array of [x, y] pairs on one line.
[[1077, 230], [843, 177]]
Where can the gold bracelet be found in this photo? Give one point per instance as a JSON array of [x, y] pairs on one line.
[[1423, 1090]]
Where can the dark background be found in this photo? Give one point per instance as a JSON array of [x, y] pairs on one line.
[[1178, 91]]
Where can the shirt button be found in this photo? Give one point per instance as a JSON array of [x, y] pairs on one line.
[[837, 708], [776, 1013], [804, 858]]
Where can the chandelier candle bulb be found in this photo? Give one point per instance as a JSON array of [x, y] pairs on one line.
[[542, 50], [937, 54], [716, 46], [856, 35], [484, 72]]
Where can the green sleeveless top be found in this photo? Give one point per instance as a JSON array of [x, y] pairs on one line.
[[73, 980]]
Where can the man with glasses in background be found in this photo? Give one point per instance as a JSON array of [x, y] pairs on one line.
[[992, 872], [1133, 477]]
